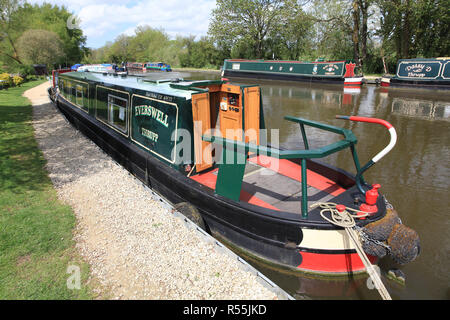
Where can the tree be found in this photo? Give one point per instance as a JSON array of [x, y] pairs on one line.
[[333, 29], [40, 47], [292, 36], [201, 54], [120, 50], [431, 28], [148, 43], [415, 28], [9, 23], [364, 9], [16, 17], [245, 21]]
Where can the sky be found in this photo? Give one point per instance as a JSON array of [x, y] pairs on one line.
[[104, 20]]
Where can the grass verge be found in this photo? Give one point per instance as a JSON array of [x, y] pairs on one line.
[[36, 244]]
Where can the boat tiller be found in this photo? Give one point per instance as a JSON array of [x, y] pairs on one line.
[[372, 194]]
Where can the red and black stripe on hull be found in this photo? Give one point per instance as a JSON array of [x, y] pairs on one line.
[[261, 232]]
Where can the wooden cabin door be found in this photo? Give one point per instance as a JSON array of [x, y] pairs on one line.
[[202, 123], [252, 114], [230, 113]]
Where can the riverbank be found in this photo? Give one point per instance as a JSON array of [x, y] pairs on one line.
[[36, 245], [136, 247]]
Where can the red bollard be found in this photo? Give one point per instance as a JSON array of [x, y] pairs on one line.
[[371, 200]]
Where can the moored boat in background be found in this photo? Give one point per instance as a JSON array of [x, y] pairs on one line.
[[100, 68], [338, 72], [420, 73], [157, 66], [76, 66], [136, 67]]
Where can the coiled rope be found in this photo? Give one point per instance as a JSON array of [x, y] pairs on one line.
[[340, 216]]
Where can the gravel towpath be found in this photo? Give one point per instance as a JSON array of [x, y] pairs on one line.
[[136, 248]]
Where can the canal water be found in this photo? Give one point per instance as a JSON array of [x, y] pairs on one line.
[[415, 175]]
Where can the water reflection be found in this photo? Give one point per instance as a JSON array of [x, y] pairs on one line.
[[420, 108]]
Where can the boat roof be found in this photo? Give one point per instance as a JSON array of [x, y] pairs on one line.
[[424, 59], [283, 61], [157, 83]]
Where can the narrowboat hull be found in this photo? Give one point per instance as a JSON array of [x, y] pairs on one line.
[[281, 77], [285, 239], [421, 73], [425, 84], [334, 72]]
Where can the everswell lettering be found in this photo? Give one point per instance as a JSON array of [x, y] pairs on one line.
[[154, 113]]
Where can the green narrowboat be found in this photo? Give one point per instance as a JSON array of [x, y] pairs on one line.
[[420, 73], [158, 66], [337, 72], [201, 144]]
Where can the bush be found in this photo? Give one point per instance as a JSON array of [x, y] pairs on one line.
[[18, 80], [24, 70], [7, 79]]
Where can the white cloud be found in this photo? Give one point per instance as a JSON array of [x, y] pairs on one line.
[[104, 20]]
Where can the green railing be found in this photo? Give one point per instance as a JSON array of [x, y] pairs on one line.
[[234, 158]]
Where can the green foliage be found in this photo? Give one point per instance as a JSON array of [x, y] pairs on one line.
[[40, 47], [247, 24], [17, 80], [147, 44], [24, 70], [18, 17], [201, 54], [366, 30], [6, 79], [415, 28], [369, 31]]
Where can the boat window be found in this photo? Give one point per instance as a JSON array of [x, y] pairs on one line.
[[290, 69], [79, 95], [73, 93], [117, 112], [281, 68], [271, 67], [64, 88], [69, 91]]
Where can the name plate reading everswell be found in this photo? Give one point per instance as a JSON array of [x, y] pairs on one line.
[[153, 123]]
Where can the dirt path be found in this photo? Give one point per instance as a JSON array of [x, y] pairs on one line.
[[136, 248]]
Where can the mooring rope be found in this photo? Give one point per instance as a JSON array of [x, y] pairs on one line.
[[346, 220]]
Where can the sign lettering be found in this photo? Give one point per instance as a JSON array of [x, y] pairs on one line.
[[150, 111]]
